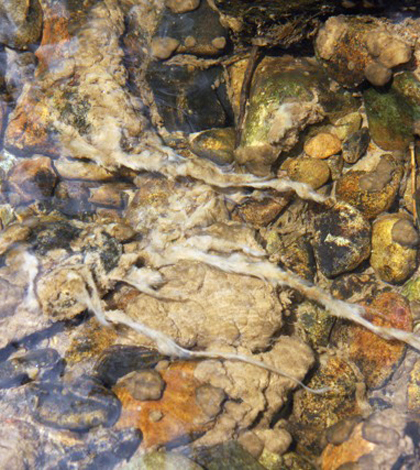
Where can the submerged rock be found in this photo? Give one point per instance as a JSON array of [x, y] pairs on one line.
[[371, 192], [143, 385], [161, 461], [323, 145], [394, 248], [355, 145], [216, 145], [310, 171], [341, 239]]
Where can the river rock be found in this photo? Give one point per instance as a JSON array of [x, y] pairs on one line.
[[310, 171], [143, 385], [341, 239], [20, 23], [20, 70], [389, 50], [394, 248], [182, 6], [313, 413], [77, 406], [347, 125], [355, 145], [161, 461], [371, 192], [281, 105], [323, 145], [216, 145], [378, 74], [210, 399], [71, 197], [377, 358]]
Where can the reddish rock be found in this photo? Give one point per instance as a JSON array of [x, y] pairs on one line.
[[176, 416], [377, 358], [32, 180]]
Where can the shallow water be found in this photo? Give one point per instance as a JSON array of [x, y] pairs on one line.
[[209, 239]]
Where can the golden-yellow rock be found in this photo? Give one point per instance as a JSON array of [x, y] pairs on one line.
[[394, 248], [347, 452], [110, 195], [371, 192], [180, 417], [346, 125], [216, 145], [322, 145], [310, 171]]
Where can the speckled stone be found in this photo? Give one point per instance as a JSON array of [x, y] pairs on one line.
[[322, 145], [310, 171], [216, 145], [342, 239], [394, 248], [346, 125]]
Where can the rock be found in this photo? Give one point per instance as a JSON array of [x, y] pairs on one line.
[[294, 461], [259, 212], [163, 48], [71, 197], [182, 418], [413, 389], [378, 74], [391, 113], [313, 413], [336, 165], [32, 180], [197, 30], [161, 461], [371, 192], [323, 145], [355, 287], [143, 385], [355, 145], [340, 47], [379, 434], [58, 234], [210, 399], [395, 53], [182, 6], [350, 451], [281, 105], [310, 171], [377, 358], [13, 234], [110, 195], [341, 239], [341, 431], [251, 443], [347, 125], [276, 441], [227, 456], [20, 23], [187, 98], [217, 145], [118, 361], [394, 248], [77, 406]]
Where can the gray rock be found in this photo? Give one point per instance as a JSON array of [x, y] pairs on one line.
[[356, 145], [144, 385]]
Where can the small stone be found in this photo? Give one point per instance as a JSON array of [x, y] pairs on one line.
[[71, 197], [143, 385], [13, 234], [371, 192], [210, 399], [20, 70], [110, 195], [380, 434], [342, 239], [182, 6], [219, 43], [413, 391], [336, 164], [323, 145], [375, 357], [155, 416], [276, 441], [405, 234], [377, 41], [32, 180], [347, 125], [395, 53], [392, 261], [163, 48], [216, 145], [378, 74], [310, 171], [355, 145]]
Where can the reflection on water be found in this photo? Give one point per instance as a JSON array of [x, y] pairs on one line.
[[202, 205]]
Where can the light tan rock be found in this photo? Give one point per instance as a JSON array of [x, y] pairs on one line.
[[323, 145]]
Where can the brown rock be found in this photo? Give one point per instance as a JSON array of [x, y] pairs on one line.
[[32, 180], [396, 53], [210, 399], [310, 171], [371, 192], [323, 145], [377, 358], [143, 385], [111, 195], [163, 48], [182, 417], [378, 74], [348, 452]]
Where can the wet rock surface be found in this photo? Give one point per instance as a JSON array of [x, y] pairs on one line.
[[190, 193]]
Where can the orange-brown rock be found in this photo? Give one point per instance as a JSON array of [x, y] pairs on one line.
[[259, 213], [32, 179], [377, 358], [176, 416], [110, 195], [347, 452]]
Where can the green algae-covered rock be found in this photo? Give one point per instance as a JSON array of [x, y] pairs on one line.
[[391, 112]]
